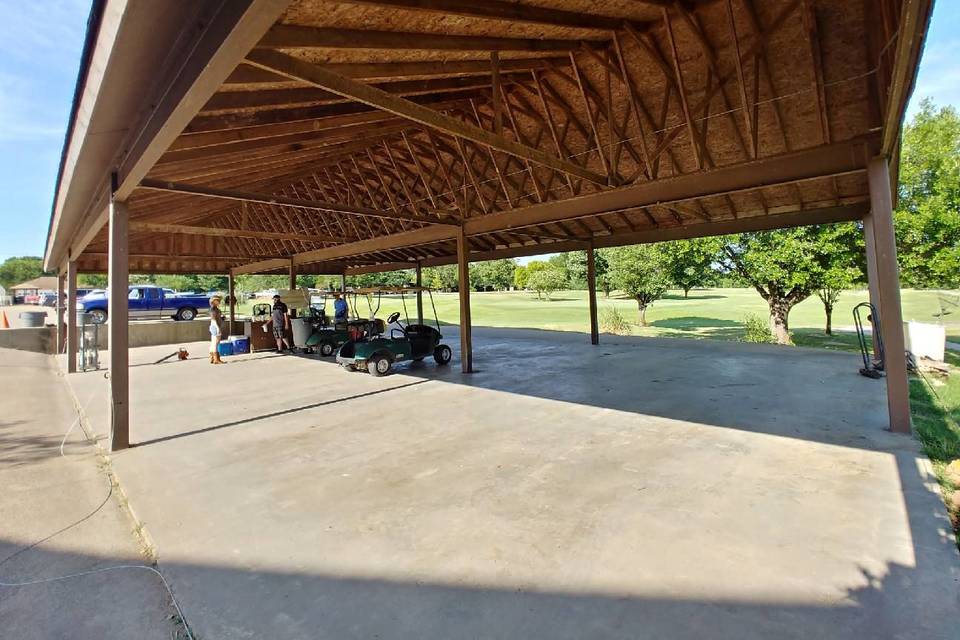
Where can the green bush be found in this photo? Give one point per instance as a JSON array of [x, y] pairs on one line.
[[612, 321], [757, 329]]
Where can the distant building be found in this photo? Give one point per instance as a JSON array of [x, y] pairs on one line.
[[28, 292]]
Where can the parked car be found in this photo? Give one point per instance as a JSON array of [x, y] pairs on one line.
[[48, 299], [148, 302]]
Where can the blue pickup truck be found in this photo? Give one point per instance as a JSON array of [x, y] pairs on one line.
[[148, 302]]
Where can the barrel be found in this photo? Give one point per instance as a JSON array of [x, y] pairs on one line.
[[225, 348], [241, 344], [32, 318]]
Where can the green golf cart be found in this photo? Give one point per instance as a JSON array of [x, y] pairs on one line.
[[327, 334], [376, 353]]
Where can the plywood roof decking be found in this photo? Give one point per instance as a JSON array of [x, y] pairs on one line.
[[810, 73]]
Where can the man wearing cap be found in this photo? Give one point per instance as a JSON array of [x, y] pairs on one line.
[[280, 317]]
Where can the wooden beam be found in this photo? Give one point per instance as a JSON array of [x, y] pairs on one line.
[[214, 53], [912, 31], [72, 335], [395, 71], [118, 278], [510, 11], [592, 294], [220, 232], [320, 77], [316, 205], [463, 287], [809, 164], [288, 36]]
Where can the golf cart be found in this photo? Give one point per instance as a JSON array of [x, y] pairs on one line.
[[376, 352], [326, 333]]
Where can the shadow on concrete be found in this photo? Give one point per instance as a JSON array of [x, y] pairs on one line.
[[232, 600], [274, 414], [17, 449], [695, 323]]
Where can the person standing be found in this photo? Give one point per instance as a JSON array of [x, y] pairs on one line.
[[216, 329], [280, 317], [340, 308]]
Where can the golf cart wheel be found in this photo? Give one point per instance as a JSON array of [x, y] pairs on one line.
[[186, 314], [442, 354], [379, 365], [98, 316], [326, 349]]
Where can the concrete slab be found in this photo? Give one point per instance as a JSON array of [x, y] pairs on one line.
[[60, 516], [642, 488]]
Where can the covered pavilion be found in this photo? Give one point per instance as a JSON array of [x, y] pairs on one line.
[[356, 136]]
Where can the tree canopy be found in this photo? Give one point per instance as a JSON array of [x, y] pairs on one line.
[[639, 271], [928, 209], [13, 271]]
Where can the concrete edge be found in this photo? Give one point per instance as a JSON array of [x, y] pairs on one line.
[[147, 544]]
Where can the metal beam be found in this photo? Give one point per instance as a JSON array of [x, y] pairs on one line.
[[320, 77], [315, 205]]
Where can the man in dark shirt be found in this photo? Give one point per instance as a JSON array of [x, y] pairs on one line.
[[280, 317]]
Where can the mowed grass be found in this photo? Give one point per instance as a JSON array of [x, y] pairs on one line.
[[707, 313]]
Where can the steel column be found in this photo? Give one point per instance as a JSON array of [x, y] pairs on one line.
[[884, 254], [71, 316], [463, 287], [118, 279], [592, 294]]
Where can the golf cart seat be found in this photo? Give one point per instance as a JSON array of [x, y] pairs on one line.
[[422, 337]]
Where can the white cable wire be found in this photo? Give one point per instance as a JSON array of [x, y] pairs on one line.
[[27, 583]]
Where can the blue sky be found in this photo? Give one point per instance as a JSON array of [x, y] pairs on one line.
[[40, 45]]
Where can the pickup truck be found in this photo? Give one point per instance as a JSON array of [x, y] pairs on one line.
[[147, 302]]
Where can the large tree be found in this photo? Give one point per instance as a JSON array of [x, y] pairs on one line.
[[928, 209], [13, 271], [640, 272], [841, 255], [545, 278], [690, 262], [785, 267], [496, 274]]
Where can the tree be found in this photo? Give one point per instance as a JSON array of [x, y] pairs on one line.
[[495, 274], [639, 271], [443, 278], [576, 265], [545, 279], [520, 276], [689, 263], [840, 254], [784, 266], [13, 271], [928, 208]]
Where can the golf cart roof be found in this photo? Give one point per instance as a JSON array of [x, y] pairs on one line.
[[390, 289]]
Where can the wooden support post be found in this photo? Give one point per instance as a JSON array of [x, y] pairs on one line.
[[419, 293], [884, 253], [293, 276], [118, 279], [592, 294], [61, 300], [463, 287], [872, 277], [232, 298], [71, 316]]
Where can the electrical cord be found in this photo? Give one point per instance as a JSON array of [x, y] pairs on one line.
[[89, 572]]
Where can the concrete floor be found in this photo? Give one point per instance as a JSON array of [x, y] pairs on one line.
[[640, 489], [59, 516]]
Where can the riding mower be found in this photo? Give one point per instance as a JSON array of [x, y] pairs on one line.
[[376, 353]]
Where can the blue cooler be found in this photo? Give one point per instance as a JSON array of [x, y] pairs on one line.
[[241, 344], [225, 348]]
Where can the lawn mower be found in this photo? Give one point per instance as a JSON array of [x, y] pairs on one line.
[[376, 353]]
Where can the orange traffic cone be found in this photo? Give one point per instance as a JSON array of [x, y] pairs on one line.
[[5, 324]]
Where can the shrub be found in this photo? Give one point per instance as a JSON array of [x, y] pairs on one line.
[[612, 321], [757, 329]]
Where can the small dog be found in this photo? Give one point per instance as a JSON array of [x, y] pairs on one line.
[[182, 354]]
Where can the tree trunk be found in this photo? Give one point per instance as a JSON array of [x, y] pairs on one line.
[[686, 292], [643, 313], [779, 312], [828, 309]]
